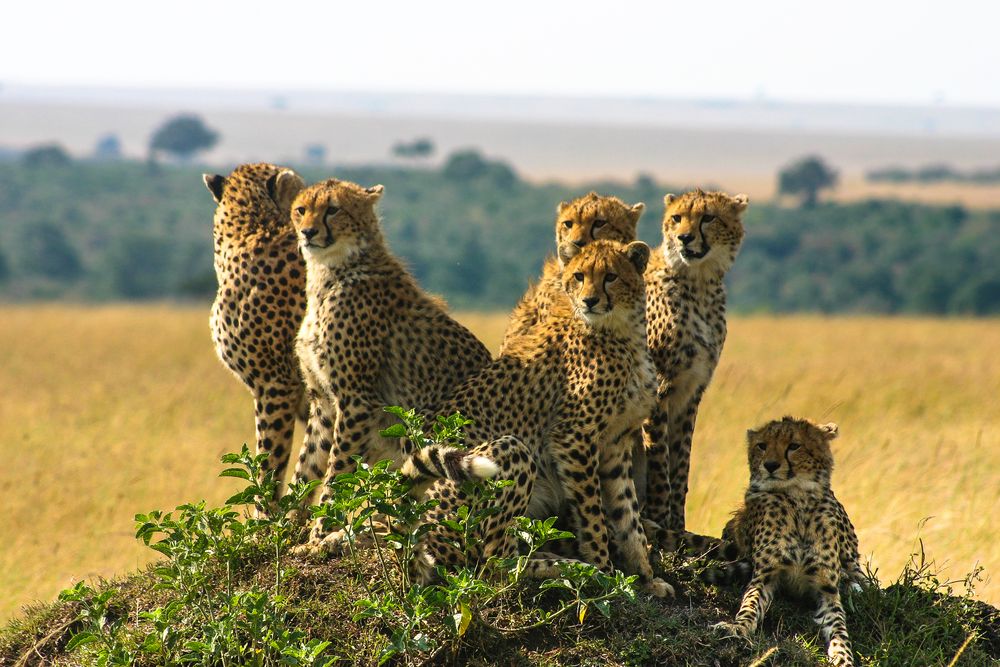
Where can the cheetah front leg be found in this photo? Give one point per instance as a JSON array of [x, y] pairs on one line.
[[275, 410], [314, 454], [831, 618], [621, 510], [657, 491], [756, 600], [680, 431], [576, 461], [356, 426]]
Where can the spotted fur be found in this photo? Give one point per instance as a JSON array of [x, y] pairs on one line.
[[794, 531], [261, 299], [371, 337]]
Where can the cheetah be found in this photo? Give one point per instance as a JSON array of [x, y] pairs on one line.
[[686, 312], [370, 337], [261, 298], [794, 531], [572, 393], [578, 222]]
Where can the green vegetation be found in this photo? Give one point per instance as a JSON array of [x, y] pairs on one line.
[[228, 592], [476, 233], [934, 173]]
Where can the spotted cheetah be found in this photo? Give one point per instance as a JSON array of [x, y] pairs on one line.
[[370, 336], [794, 530], [261, 298], [578, 222], [686, 311], [573, 393]]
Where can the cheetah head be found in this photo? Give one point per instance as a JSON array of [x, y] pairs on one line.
[[254, 193], [604, 282], [593, 217], [790, 452], [703, 229], [335, 220]]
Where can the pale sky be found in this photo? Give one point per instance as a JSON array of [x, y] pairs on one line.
[[879, 51]]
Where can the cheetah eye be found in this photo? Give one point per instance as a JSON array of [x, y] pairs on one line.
[[579, 277], [676, 218], [301, 210], [332, 210], [599, 223], [761, 446], [567, 223], [611, 277], [792, 446], [707, 218]]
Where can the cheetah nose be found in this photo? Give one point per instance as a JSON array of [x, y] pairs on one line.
[[309, 233], [591, 301], [685, 238], [771, 466]]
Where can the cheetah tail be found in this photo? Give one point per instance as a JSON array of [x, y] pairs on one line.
[[443, 462]]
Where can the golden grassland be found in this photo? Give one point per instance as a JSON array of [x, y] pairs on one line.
[[109, 411]]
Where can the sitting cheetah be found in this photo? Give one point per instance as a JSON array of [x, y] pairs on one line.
[[370, 337], [261, 298], [570, 392], [793, 529], [578, 222], [686, 311]]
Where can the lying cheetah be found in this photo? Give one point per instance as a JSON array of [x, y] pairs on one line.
[[578, 222], [793, 529], [261, 298], [370, 337], [571, 393], [686, 311]]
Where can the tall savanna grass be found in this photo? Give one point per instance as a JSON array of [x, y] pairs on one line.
[[109, 411]]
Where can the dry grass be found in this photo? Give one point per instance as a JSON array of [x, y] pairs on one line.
[[108, 411]]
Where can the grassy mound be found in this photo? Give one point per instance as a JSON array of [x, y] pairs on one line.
[[229, 591]]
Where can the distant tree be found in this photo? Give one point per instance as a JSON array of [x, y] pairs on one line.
[[182, 137], [108, 148], [48, 155], [418, 148], [315, 154], [805, 178], [47, 252], [469, 165]]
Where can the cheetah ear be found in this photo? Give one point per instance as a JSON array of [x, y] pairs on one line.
[[669, 199], [214, 183], [282, 188], [830, 431], [638, 253], [563, 205], [740, 202], [374, 193], [636, 211]]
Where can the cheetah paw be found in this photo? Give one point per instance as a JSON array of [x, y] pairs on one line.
[[658, 588], [320, 548], [730, 630]]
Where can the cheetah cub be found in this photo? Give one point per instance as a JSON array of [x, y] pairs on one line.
[[371, 337], [686, 325], [794, 531]]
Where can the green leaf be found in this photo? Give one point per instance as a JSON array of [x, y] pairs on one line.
[[394, 431], [81, 639], [464, 618], [236, 472]]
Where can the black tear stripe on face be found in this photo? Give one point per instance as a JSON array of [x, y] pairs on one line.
[[704, 239], [788, 460], [604, 288], [329, 232]]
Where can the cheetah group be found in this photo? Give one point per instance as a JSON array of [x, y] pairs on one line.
[[589, 409]]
